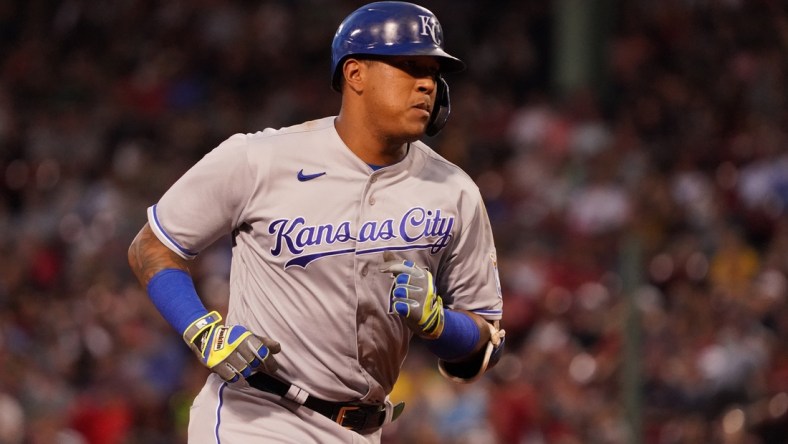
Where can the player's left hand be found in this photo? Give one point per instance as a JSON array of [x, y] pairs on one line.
[[414, 297]]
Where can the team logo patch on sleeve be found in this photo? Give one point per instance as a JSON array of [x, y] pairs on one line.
[[494, 261]]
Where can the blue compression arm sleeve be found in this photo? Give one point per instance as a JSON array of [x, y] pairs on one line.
[[459, 337], [172, 292]]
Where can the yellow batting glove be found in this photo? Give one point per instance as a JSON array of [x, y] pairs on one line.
[[231, 351], [414, 297]]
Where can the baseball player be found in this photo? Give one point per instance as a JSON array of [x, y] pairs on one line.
[[350, 236]]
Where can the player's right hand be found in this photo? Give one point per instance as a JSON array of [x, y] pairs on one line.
[[231, 351]]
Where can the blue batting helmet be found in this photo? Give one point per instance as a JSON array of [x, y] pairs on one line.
[[390, 29]]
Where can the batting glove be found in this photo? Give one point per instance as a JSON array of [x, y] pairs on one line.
[[414, 297], [231, 351]]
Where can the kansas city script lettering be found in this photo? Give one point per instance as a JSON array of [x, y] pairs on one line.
[[416, 224]]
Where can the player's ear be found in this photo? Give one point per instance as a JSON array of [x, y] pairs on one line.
[[354, 73]]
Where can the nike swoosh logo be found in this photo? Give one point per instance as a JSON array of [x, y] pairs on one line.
[[304, 177]]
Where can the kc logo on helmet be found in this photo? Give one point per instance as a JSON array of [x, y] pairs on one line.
[[430, 26]]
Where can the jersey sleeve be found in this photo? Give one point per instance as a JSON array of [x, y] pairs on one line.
[[469, 278], [206, 202]]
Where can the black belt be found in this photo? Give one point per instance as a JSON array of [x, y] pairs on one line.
[[354, 416]]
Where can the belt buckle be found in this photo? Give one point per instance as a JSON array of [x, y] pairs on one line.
[[341, 415]]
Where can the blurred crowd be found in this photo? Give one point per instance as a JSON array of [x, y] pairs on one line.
[[641, 219]]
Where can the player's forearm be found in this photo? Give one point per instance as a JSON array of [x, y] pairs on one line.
[[484, 330], [469, 346], [165, 277], [465, 334], [148, 256]]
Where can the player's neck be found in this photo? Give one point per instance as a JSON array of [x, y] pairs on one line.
[[371, 148]]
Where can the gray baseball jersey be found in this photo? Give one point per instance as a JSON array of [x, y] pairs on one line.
[[310, 221]]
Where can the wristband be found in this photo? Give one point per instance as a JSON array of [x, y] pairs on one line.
[[172, 292], [459, 338]]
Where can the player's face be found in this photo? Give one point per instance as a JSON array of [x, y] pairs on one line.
[[401, 93]]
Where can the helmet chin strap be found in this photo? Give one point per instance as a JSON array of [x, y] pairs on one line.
[[441, 111]]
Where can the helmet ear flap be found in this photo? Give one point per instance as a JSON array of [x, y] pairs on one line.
[[441, 110]]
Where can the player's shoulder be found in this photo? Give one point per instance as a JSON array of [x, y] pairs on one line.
[[434, 163], [284, 138], [304, 129]]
